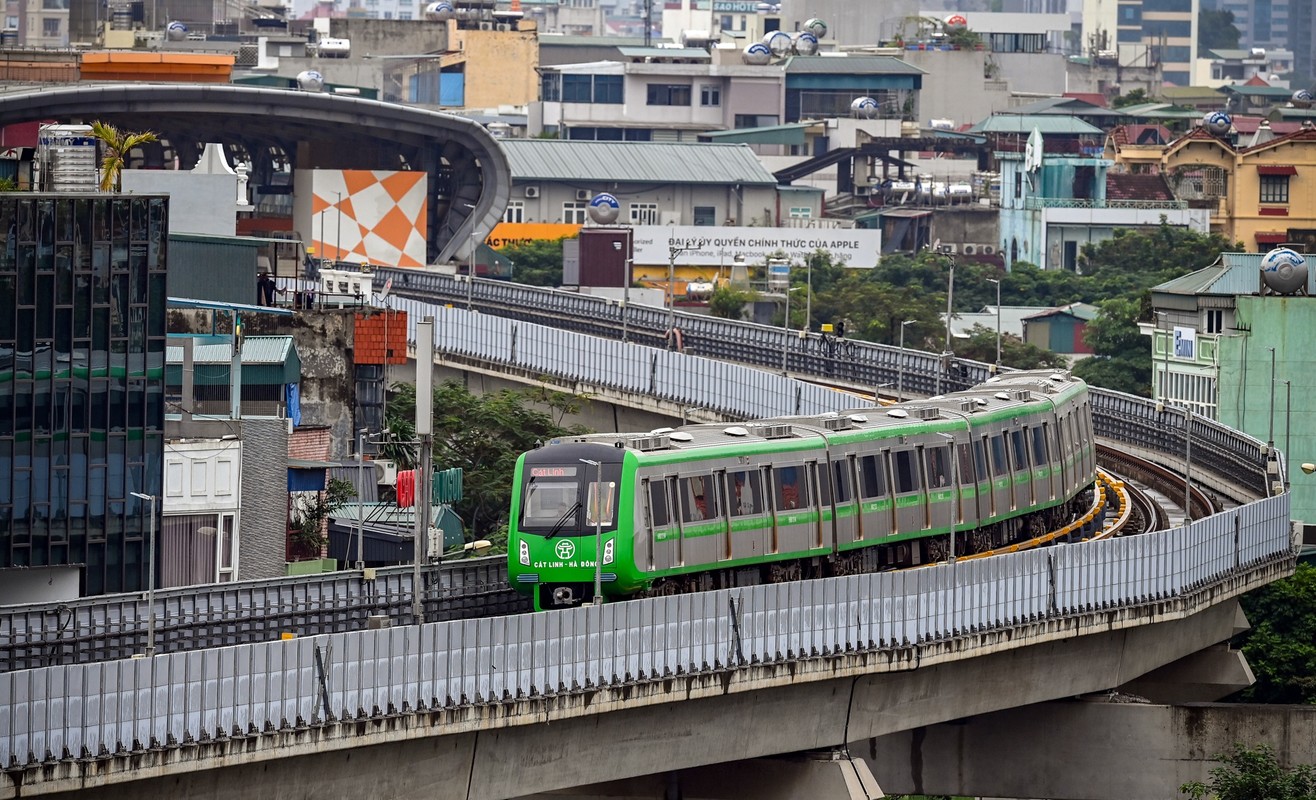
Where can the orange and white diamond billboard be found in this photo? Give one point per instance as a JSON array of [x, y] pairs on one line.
[[370, 216]]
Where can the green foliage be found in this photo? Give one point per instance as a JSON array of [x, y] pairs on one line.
[[1253, 773], [728, 302], [307, 522], [981, 346], [1281, 645], [484, 435], [8, 185], [538, 262], [1133, 98], [1216, 30], [1136, 260], [116, 145], [1122, 359]]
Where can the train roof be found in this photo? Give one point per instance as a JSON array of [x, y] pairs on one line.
[[1000, 395]]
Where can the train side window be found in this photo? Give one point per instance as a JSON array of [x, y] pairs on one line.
[[967, 474], [824, 483], [792, 491], [698, 498], [980, 459], [658, 504], [1000, 466], [1019, 450], [1039, 445], [938, 468], [841, 480], [872, 477], [906, 470], [746, 493]]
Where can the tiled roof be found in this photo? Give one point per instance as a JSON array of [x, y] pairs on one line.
[[1137, 187], [1046, 123], [1300, 135], [1140, 134], [1095, 98]]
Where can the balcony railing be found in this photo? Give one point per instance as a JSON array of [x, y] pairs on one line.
[[1035, 203]]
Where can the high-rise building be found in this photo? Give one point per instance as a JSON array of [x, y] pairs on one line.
[[82, 351], [1143, 33], [1261, 23], [1302, 39]]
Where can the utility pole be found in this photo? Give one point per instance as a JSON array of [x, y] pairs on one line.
[[425, 432]]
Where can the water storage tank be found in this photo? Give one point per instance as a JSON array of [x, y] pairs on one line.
[[441, 10], [1302, 99], [176, 32], [1217, 123], [956, 22], [865, 107], [805, 44], [334, 48], [308, 80], [779, 42], [817, 27], [67, 160], [757, 54], [604, 208], [1284, 271]]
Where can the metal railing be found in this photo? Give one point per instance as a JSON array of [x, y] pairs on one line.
[[1037, 203], [249, 691]]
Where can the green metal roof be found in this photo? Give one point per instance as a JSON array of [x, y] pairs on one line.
[[850, 65], [634, 162], [1255, 91], [1233, 274], [769, 134], [1063, 106], [1046, 123], [276, 354], [1083, 311], [1160, 111]]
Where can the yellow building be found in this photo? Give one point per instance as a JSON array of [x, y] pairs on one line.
[[1261, 195]]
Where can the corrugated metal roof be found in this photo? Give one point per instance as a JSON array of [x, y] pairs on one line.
[[1046, 123], [850, 65], [793, 133], [665, 52], [1234, 274], [634, 162], [255, 350]]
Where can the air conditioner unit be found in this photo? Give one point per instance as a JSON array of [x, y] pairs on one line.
[[987, 249], [861, 190], [386, 472], [582, 194], [970, 250], [486, 26], [532, 191], [948, 248]]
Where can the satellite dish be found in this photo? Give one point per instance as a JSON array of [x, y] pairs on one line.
[[388, 287]]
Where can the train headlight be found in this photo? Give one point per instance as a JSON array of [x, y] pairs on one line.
[[607, 551], [524, 553]]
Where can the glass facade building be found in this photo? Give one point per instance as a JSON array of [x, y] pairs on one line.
[[82, 351]]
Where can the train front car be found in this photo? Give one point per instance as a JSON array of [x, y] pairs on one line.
[[559, 509]]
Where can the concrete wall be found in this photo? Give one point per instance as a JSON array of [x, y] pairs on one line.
[[198, 203], [263, 520], [966, 224], [956, 87], [387, 37], [502, 67]]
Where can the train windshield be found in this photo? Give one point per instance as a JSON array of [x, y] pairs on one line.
[[568, 500]]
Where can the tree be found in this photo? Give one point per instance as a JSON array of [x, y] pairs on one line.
[[1215, 30], [484, 435], [1254, 774], [117, 145], [1281, 645], [728, 302], [306, 525], [1015, 352], [1133, 98], [1122, 355], [538, 262]]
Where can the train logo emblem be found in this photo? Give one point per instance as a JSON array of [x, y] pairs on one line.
[[565, 550]]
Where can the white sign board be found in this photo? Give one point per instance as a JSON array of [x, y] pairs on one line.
[[1185, 343], [717, 246]]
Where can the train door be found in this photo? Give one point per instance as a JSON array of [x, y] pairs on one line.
[[793, 499], [820, 476], [723, 500], [911, 503], [938, 478], [846, 524], [876, 508], [986, 498], [967, 478], [1064, 450], [1023, 476], [1003, 499], [750, 520], [1043, 463], [665, 533], [774, 508]]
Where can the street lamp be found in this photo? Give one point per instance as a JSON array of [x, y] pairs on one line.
[[950, 300], [786, 329], [598, 529], [626, 282], [808, 297], [997, 281], [150, 578], [672, 252], [470, 272], [1270, 437], [1288, 420], [900, 363], [360, 492]]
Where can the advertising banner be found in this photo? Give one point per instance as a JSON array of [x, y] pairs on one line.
[[506, 234], [716, 246], [1185, 343]]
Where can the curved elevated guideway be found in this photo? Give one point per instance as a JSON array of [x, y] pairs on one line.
[[282, 130]]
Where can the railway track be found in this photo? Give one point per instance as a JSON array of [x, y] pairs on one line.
[[1162, 480]]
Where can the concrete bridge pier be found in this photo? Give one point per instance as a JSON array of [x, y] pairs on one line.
[[825, 775]]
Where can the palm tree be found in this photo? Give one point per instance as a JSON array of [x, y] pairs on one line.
[[117, 145]]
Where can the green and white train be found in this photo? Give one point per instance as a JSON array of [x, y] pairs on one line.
[[719, 505]]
